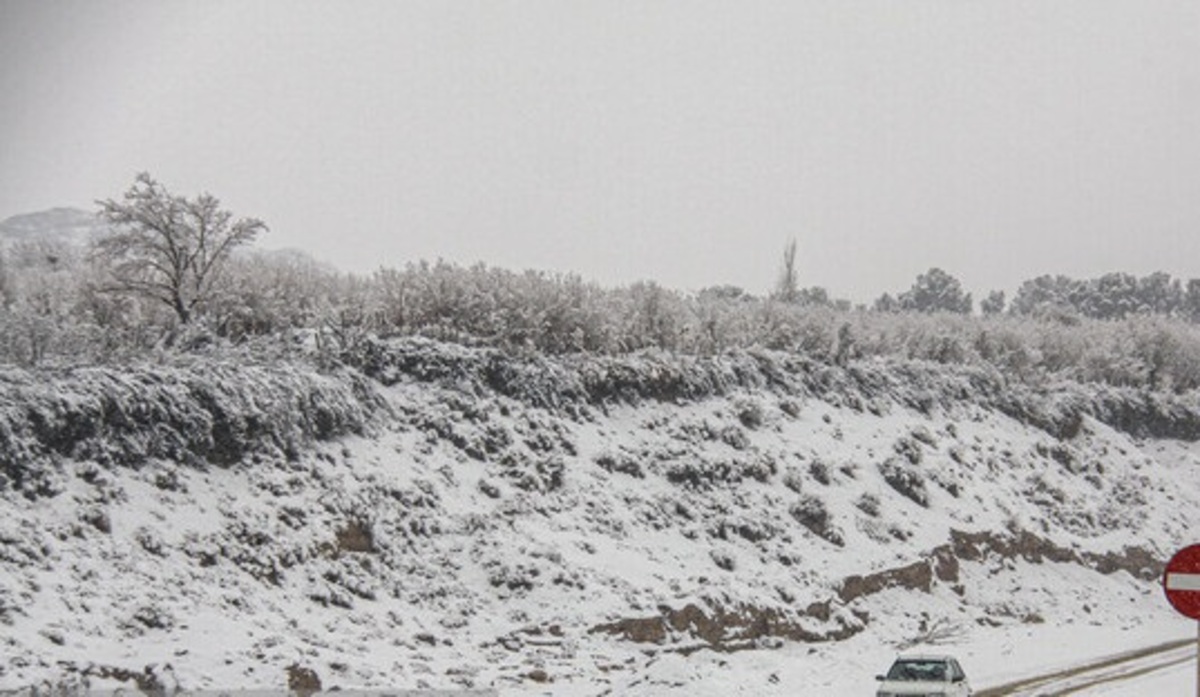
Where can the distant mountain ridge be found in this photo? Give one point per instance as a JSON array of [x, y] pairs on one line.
[[72, 226]]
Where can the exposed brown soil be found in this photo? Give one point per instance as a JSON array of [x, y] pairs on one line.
[[724, 628], [302, 681], [730, 629], [942, 562]]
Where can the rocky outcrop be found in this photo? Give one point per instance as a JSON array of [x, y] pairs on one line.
[[733, 628]]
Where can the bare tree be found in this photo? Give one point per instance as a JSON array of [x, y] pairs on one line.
[[169, 248], [787, 288]]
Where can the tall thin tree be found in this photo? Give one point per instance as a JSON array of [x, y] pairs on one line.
[[787, 288]]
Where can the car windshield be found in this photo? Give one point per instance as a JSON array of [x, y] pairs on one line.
[[918, 670]]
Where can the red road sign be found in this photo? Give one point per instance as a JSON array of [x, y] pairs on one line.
[[1181, 581]]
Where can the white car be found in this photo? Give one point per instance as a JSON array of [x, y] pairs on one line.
[[924, 676]]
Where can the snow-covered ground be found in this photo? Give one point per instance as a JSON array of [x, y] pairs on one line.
[[756, 541], [990, 657], [1179, 679]]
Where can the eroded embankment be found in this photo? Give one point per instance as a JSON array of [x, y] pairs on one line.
[[732, 627]]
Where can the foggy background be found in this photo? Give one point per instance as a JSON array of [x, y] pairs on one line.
[[683, 142]]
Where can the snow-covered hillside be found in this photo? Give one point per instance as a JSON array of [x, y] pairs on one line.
[[437, 516], [67, 226]]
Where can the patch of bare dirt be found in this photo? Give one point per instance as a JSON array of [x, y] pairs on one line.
[[732, 629], [742, 627]]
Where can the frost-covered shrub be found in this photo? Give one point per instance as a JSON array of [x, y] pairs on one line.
[[793, 480], [948, 481], [905, 479], [750, 413], [819, 471], [921, 434], [909, 449], [537, 474], [149, 617], [724, 560], [810, 331], [735, 437], [1143, 335], [868, 503], [204, 412], [263, 293], [704, 473], [747, 529], [620, 462], [811, 512], [553, 313], [516, 578], [571, 383], [575, 385], [1062, 454]]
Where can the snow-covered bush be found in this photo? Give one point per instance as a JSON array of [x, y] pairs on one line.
[[203, 413], [811, 512], [906, 479]]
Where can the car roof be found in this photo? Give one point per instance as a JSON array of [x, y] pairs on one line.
[[924, 657]]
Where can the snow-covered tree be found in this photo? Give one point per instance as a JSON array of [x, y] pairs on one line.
[[1045, 294], [787, 287], [1112, 296], [993, 304], [886, 303], [1159, 294], [814, 295], [169, 248], [936, 291], [1190, 302]]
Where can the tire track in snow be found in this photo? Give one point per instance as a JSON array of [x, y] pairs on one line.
[[1107, 670]]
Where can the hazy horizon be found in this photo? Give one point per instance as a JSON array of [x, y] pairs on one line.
[[684, 143]]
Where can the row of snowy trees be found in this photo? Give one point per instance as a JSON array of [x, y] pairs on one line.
[[64, 305], [1111, 296], [55, 310]]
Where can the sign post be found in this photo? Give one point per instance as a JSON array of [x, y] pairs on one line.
[[1181, 583]]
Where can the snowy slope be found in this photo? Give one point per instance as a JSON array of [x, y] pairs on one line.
[[618, 526]]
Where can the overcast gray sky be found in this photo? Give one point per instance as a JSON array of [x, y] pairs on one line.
[[683, 141]]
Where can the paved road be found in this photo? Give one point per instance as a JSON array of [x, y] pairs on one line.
[[1101, 673]]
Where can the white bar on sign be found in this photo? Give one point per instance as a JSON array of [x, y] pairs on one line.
[[1183, 582]]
